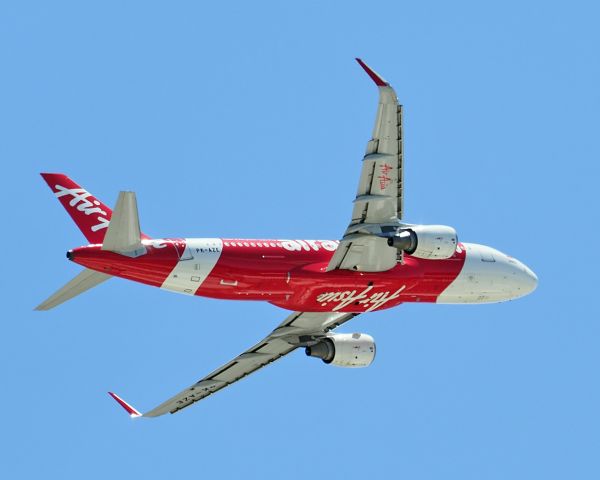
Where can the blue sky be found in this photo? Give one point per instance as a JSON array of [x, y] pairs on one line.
[[250, 119]]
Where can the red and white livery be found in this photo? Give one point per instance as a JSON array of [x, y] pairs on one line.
[[379, 262]]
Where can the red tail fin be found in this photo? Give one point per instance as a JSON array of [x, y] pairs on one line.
[[89, 213]]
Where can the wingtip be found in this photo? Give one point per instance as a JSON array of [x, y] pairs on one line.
[[378, 79], [133, 413]]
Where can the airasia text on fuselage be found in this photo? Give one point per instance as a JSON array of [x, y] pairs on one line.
[[370, 300]]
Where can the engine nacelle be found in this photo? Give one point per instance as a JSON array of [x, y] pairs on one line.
[[345, 350], [434, 242]]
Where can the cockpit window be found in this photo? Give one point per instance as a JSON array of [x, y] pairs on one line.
[[487, 256]]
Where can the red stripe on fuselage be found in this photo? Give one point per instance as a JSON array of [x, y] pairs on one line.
[[288, 273]]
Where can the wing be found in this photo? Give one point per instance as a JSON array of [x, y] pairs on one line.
[[299, 329], [378, 204]]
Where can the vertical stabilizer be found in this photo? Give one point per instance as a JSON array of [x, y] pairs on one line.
[[89, 214]]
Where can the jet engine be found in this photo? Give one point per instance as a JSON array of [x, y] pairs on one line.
[[434, 242], [345, 350]]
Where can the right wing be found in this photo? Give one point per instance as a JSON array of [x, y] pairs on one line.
[[378, 204], [299, 329]]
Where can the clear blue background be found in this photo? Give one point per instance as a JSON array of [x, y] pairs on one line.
[[250, 119]]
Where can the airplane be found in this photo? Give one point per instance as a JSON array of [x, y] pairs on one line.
[[378, 263]]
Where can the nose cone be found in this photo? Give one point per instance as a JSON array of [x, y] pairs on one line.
[[488, 276], [526, 280]]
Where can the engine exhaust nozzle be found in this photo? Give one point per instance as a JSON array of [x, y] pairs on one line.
[[406, 240]]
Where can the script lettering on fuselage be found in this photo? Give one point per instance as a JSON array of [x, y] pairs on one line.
[[82, 204], [309, 245], [365, 298]]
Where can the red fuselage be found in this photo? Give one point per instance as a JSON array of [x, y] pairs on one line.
[[287, 273]]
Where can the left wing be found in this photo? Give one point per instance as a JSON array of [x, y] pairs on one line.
[[378, 204], [299, 329]]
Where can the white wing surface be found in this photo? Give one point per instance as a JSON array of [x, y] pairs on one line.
[[378, 204], [297, 330]]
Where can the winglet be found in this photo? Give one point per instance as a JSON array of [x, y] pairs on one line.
[[379, 81], [133, 413]]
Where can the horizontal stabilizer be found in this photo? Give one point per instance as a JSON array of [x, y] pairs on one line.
[[81, 283], [124, 235]]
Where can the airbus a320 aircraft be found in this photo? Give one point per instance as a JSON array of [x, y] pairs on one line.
[[379, 262]]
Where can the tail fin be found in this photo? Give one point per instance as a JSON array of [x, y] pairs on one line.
[[81, 283], [90, 214]]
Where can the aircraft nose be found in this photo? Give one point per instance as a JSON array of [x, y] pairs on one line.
[[532, 278], [527, 279]]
